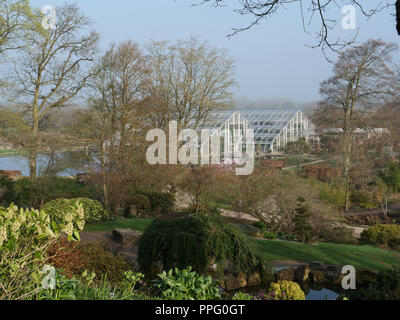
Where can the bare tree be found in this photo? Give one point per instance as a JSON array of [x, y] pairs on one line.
[[309, 10], [362, 80], [118, 95], [14, 19], [14, 15], [51, 67], [190, 79]]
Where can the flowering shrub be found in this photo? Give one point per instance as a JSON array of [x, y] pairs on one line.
[[93, 210], [25, 236], [286, 290]]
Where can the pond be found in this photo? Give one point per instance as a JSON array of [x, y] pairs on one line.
[[316, 291], [21, 163]]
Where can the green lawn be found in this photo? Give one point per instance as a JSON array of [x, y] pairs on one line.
[[135, 224], [367, 257], [8, 153]]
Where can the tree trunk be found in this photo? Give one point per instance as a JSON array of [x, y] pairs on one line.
[[33, 150], [347, 150]]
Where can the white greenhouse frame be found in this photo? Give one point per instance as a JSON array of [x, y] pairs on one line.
[[273, 129]]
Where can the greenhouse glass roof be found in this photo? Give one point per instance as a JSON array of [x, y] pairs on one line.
[[270, 126]]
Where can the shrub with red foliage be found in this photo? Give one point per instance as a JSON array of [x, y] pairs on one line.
[[67, 256]]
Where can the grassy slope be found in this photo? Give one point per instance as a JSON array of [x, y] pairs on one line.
[[367, 257], [135, 224]]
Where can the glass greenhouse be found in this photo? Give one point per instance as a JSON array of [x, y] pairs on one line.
[[273, 129]]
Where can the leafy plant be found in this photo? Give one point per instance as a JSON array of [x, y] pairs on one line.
[[286, 290], [131, 279], [260, 225], [270, 235], [25, 236], [102, 262], [186, 285], [141, 201], [384, 234], [65, 289], [93, 210], [243, 296]]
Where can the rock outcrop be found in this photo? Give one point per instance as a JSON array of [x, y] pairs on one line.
[[126, 237]]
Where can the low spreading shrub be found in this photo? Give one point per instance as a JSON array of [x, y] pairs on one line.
[[93, 210], [160, 202], [387, 235], [270, 235], [141, 201], [260, 225], [286, 290], [67, 257], [102, 262], [186, 285]]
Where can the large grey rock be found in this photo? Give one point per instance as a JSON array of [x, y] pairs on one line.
[[126, 237]]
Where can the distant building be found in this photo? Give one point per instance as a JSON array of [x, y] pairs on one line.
[[273, 129]]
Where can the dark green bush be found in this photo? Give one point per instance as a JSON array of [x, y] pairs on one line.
[[385, 286], [270, 235], [195, 241], [160, 202], [260, 225], [93, 210], [382, 234], [25, 193], [364, 199], [102, 262], [141, 201]]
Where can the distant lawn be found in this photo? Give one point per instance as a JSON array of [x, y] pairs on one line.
[[135, 224], [7, 153], [367, 257]]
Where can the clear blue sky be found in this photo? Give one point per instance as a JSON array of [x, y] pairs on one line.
[[272, 58]]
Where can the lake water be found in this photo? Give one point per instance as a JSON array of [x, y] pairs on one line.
[[15, 163], [21, 163], [316, 291]]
